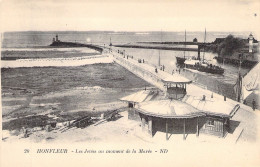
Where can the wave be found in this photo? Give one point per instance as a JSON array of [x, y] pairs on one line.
[[57, 62], [96, 88], [142, 33], [83, 50], [117, 33]]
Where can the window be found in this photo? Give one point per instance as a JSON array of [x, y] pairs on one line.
[[210, 122], [130, 105]]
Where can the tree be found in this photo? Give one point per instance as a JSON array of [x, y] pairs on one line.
[[230, 45]]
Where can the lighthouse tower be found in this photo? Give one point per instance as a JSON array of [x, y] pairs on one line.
[[250, 40], [57, 39]]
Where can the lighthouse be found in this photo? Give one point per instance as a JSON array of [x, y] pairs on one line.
[[250, 40], [57, 39]]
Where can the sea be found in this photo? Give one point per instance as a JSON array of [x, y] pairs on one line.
[[32, 45]]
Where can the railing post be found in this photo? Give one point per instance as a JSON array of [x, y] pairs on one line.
[[184, 138], [166, 129]]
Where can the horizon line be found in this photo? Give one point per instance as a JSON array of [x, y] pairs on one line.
[[119, 31]]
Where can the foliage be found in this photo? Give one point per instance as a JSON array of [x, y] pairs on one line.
[[230, 45]]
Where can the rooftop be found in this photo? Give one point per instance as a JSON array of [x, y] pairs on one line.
[[140, 96], [155, 104], [168, 109], [211, 106], [176, 78]]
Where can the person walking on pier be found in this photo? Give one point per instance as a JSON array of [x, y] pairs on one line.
[[173, 71]]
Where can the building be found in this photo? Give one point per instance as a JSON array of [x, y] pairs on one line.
[[174, 112], [195, 40], [219, 40], [56, 39], [250, 41]]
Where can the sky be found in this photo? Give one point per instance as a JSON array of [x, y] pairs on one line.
[[126, 15]]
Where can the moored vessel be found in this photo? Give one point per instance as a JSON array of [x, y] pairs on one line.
[[203, 65], [180, 60]]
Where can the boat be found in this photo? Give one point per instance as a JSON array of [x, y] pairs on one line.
[[203, 65], [110, 44], [180, 60]]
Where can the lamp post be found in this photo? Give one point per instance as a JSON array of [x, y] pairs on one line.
[[240, 62], [239, 86], [223, 60]]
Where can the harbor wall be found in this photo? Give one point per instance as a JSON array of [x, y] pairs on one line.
[[210, 83]]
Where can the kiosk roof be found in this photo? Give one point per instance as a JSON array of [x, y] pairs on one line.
[[176, 78]]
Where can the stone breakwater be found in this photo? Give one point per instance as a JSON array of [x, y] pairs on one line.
[[144, 71]]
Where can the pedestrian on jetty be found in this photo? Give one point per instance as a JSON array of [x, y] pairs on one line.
[[254, 104], [25, 132]]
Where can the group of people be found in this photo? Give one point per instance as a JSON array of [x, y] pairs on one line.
[[140, 61], [177, 70], [162, 67]]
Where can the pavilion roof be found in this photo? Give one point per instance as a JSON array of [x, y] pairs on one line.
[[211, 106], [176, 78], [168, 109], [149, 103], [189, 107], [140, 96]]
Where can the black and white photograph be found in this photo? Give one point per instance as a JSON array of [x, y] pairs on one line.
[[130, 83]]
